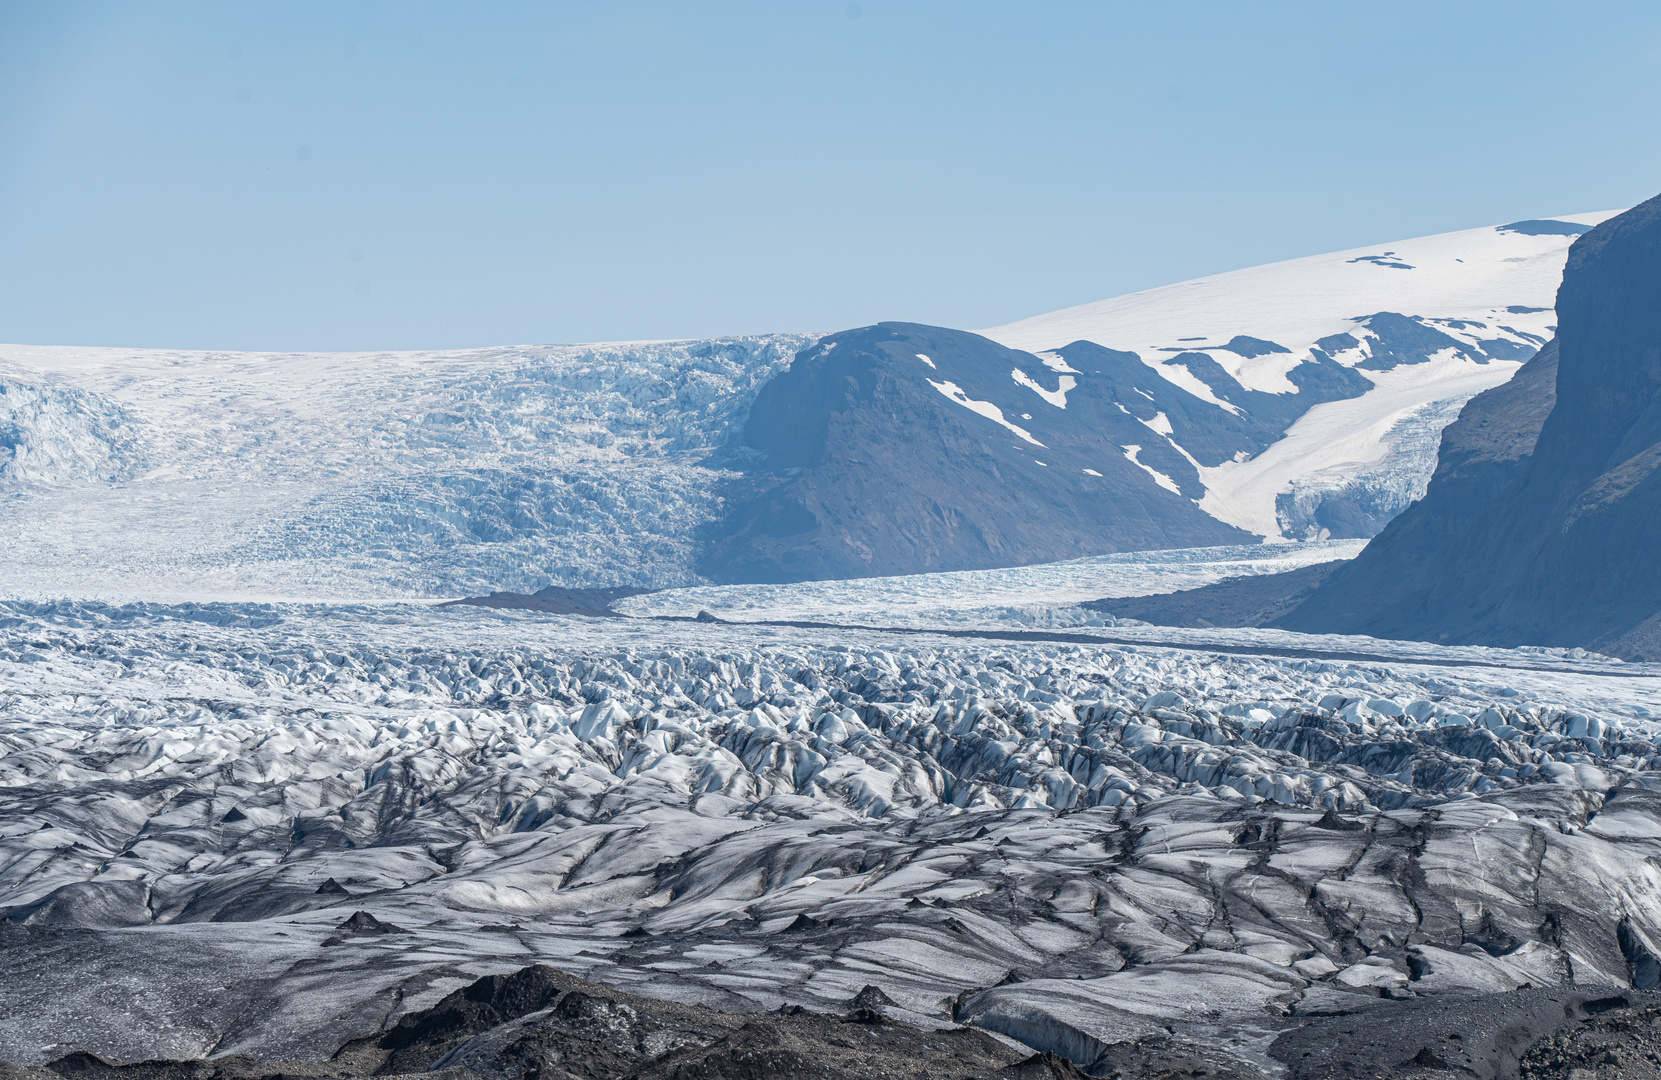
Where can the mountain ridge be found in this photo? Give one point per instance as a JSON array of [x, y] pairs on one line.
[[881, 467], [1544, 539], [218, 476]]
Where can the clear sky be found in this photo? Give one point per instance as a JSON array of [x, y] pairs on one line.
[[344, 175]]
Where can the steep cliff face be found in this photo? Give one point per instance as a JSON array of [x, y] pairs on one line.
[[1543, 522], [1393, 588]]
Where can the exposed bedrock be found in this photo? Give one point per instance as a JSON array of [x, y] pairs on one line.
[[900, 448], [554, 600], [1243, 601], [1539, 525]]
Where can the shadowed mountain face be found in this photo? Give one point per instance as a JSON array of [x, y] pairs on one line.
[[903, 449], [1257, 600], [900, 448], [1542, 524]]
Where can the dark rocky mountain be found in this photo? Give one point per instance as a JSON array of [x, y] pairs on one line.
[[901, 448], [1542, 524]]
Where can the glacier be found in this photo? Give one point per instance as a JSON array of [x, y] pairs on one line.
[[260, 802], [152, 474], [163, 475], [1202, 839]]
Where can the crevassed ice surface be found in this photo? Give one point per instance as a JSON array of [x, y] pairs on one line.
[[157, 474], [1074, 844]]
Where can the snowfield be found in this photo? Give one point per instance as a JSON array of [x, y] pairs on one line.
[[1479, 276], [1073, 843], [1488, 293]]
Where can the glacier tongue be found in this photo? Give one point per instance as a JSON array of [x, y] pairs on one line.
[[1354, 499], [155, 474], [1073, 844]]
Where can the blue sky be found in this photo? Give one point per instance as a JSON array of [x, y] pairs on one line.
[[413, 175]]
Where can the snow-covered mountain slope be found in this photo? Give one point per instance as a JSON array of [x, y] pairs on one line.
[[1067, 844], [1539, 527], [1430, 322], [148, 473], [901, 448], [1300, 400]]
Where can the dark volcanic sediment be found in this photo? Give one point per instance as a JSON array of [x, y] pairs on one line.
[[539, 1023], [542, 1024], [554, 600], [1245, 601], [1480, 1037]]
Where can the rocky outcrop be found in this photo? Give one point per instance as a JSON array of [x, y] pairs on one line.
[[899, 448], [1255, 600], [1539, 526]]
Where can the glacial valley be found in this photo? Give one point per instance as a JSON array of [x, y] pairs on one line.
[[1085, 848]]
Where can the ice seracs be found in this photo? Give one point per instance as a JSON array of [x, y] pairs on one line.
[[1059, 842], [207, 475]]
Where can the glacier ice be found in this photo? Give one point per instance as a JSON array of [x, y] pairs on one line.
[[1346, 500], [1065, 842], [1045, 595], [169, 475]]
